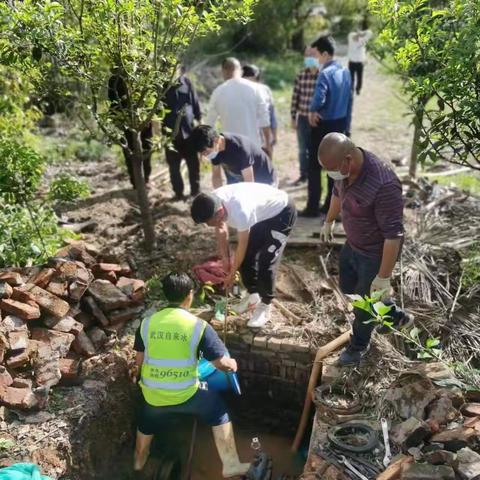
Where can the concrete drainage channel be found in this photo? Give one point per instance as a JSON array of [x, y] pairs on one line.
[[274, 375]]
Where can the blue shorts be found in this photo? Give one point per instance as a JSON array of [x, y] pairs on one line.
[[205, 405]]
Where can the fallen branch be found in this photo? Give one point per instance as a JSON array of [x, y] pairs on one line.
[[287, 313]]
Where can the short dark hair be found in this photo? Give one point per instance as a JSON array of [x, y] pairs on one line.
[[204, 206], [251, 71], [325, 44], [176, 286], [202, 137]]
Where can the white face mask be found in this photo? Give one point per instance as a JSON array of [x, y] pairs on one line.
[[337, 175], [212, 155]]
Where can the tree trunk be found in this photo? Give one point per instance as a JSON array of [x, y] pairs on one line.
[[417, 123], [297, 41], [142, 196]]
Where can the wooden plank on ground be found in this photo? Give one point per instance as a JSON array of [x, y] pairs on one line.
[[306, 233]]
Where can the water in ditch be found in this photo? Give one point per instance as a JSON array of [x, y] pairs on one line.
[[173, 447], [206, 464]]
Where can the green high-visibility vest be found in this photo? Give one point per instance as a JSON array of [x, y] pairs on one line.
[[169, 371]]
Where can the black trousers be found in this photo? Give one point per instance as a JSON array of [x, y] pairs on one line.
[[146, 138], [356, 71], [174, 160], [314, 168], [266, 244]]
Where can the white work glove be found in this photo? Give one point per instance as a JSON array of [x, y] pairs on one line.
[[326, 232], [381, 284]]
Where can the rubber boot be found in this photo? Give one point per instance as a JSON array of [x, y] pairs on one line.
[[227, 451]]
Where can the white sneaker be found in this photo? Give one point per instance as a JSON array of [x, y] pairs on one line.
[[260, 316], [247, 303]]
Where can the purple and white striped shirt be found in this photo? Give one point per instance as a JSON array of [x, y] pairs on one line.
[[372, 206]]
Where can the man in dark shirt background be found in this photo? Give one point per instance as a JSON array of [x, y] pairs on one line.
[[119, 104], [368, 195], [330, 111], [241, 159], [182, 102]]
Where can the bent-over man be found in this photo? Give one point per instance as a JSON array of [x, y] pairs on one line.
[[368, 195], [263, 217], [241, 159], [168, 346]]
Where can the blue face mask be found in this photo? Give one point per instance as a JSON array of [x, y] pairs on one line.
[[311, 62]]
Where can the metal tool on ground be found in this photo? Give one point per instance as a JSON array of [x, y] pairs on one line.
[[388, 454], [345, 462]]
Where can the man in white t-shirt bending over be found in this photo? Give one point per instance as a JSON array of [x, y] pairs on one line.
[[241, 107], [263, 217]]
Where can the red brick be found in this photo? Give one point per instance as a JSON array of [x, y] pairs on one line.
[[19, 359], [92, 306], [3, 345], [59, 341], [22, 398], [12, 278], [70, 370], [42, 278], [124, 315], [471, 409], [57, 288], [83, 345], [106, 267], [21, 295], [98, 337], [5, 377], [49, 303], [66, 324], [22, 383], [21, 310], [76, 289], [46, 366], [108, 296], [11, 322], [77, 252], [18, 340], [110, 276], [133, 287], [5, 290]]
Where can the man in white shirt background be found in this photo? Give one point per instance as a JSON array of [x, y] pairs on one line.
[[357, 54], [240, 106], [263, 217]]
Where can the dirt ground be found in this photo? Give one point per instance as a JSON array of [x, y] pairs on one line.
[[379, 124]]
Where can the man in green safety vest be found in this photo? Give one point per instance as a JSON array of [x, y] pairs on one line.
[[168, 345]]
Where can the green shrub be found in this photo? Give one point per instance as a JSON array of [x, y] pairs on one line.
[[21, 172], [66, 188], [28, 235]]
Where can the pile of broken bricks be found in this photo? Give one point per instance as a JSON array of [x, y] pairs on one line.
[[435, 429], [55, 315]]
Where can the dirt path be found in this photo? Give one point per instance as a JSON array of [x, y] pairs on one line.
[[380, 122]]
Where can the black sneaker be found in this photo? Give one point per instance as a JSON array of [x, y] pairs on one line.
[[351, 356], [309, 213]]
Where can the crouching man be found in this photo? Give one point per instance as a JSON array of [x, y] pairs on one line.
[[168, 345], [263, 217]]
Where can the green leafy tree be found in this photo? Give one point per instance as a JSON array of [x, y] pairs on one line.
[[434, 47], [141, 40]]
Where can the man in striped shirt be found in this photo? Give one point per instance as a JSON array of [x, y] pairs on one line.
[[368, 195], [303, 89]]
